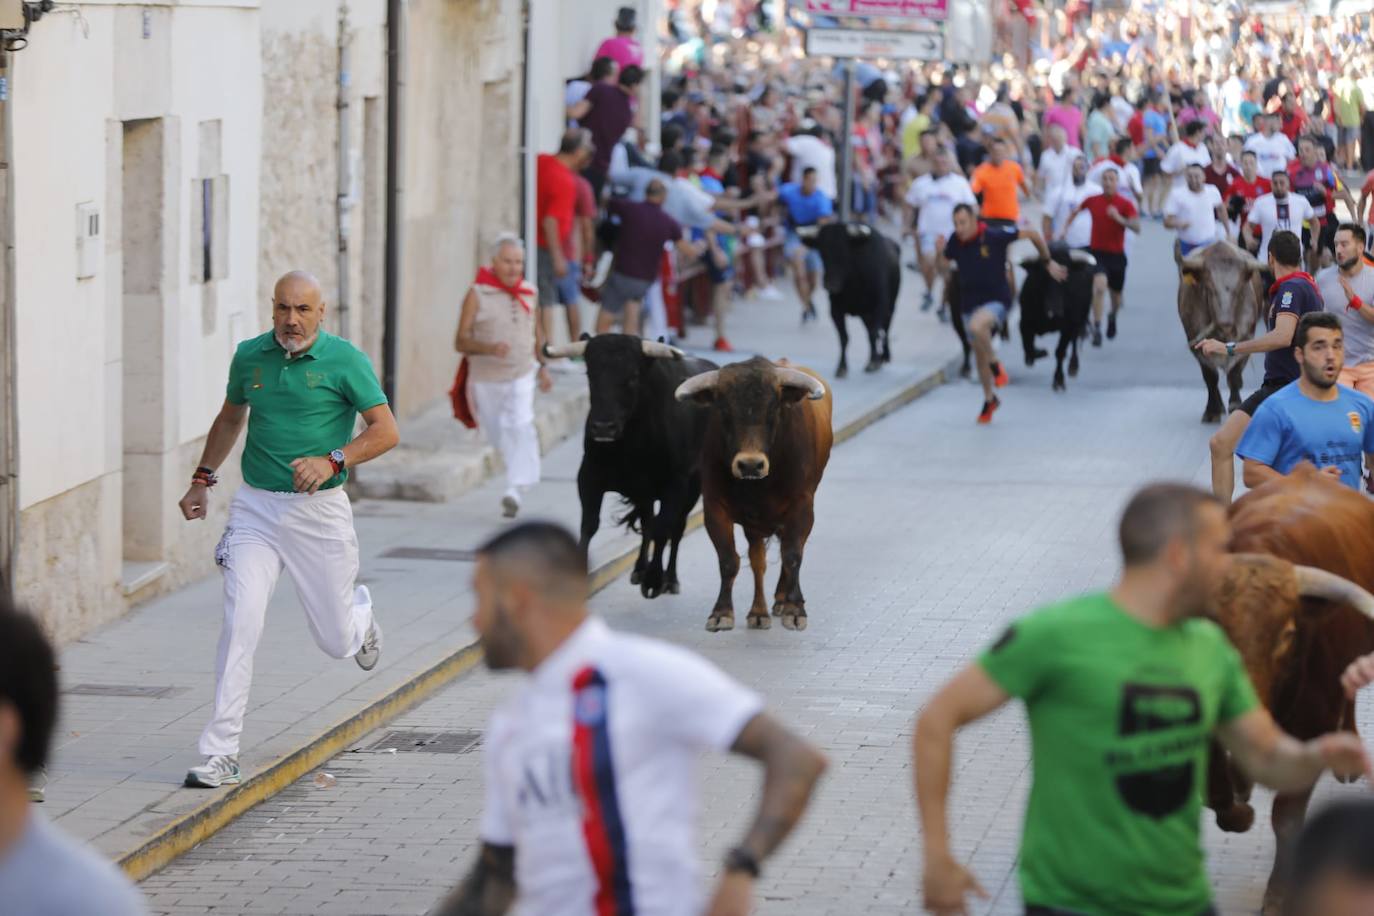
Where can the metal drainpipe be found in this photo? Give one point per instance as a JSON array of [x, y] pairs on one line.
[[345, 200], [525, 126], [395, 25], [9, 430]]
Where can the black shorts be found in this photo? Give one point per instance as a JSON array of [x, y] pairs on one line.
[[1113, 264], [1150, 167], [1328, 236], [1261, 394], [1005, 223]]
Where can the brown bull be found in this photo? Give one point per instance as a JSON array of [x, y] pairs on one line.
[[1298, 607], [768, 438], [1218, 297]]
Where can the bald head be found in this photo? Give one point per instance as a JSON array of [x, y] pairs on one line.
[[297, 310]]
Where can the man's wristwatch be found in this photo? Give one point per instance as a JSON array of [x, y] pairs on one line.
[[336, 458], [741, 859], [1230, 348]]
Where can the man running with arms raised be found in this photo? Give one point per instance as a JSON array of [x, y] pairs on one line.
[[1123, 689], [979, 252]]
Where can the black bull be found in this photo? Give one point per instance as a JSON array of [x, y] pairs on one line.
[[642, 443], [863, 274]]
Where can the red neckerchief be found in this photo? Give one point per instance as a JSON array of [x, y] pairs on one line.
[[1301, 275], [487, 277], [711, 173], [1117, 159]]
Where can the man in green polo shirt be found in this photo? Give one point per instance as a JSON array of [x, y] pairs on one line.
[[1123, 689], [301, 391]]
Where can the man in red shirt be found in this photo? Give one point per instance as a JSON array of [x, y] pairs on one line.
[[1240, 194], [1112, 215], [555, 203], [1292, 119]]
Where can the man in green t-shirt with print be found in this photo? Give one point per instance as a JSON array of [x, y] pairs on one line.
[[301, 391], [1123, 689]]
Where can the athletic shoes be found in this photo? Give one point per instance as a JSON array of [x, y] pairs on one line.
[[372, 647], [808, 313], [927, 301], [770, 292], [38, 785], [1097, 334], [510, 504], [989, 408], [999, 375], [723, 346], [1111, 326], [216, 771]]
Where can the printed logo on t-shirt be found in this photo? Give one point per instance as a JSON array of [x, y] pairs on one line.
[[1287, 298], [589, 706], [1354, 421], [1155, 760]]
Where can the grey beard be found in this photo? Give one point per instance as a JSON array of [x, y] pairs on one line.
[[293, 349]]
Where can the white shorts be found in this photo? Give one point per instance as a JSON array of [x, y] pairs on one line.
[[930, 243]]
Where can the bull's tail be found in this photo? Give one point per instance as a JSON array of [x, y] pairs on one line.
[[631, 518]]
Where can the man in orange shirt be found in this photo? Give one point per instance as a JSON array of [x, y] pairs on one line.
[[996, 182]]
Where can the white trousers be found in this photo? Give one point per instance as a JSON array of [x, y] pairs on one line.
[[505, 414], [310, 536]]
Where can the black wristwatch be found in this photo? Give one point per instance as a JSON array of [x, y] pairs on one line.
[[741, 859]]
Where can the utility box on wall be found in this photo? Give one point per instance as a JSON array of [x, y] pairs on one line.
[[11, 14], [88, 248]]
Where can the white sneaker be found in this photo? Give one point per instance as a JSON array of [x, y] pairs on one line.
[[770, 292], [216, 771], [38, 785], [372, 647], [510, 504]]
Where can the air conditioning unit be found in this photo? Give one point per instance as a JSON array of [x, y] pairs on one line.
[[88, 247]]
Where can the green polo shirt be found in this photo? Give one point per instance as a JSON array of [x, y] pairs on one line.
[[299, 407]]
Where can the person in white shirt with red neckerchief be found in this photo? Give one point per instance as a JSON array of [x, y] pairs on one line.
[[591, 766]]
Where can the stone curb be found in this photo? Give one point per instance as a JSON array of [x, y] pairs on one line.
[[204, 821]]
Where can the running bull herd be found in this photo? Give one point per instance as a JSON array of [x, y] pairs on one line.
[[752, 440]]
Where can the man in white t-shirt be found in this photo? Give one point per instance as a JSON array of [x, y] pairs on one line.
[[934, 196], [591, 766], [1195, 212], [1186, 152], [1271, 148], [1072, 225], [808, 150], [1056, 162], [1278, 210]]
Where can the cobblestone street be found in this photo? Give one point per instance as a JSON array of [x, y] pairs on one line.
[[931, 534]]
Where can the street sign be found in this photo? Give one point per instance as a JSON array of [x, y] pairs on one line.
[[880, 9], [872, 43]]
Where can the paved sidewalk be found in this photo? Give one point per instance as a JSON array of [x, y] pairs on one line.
[[120, 758]]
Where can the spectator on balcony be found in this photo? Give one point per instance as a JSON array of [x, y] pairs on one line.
[[624, 48]]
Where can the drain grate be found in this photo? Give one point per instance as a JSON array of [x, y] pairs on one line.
[[428, 742], [125, 690], [449, 554]]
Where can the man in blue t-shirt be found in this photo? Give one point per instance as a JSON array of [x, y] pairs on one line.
[[978, 254], [1312, 419], [806, 205], [1292, 296]]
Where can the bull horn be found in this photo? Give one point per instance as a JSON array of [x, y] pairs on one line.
[[660, 350], [1318, 583], [567, 350], [795, 378], [808, 232], [1081, 257], [1249, 260], [1194, 261], [858, 230], [705, 381]]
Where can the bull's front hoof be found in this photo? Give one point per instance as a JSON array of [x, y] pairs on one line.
[[965, 371], [636, 576], [1236, 819], [1058, 384], [779, 605], [650, 591], [1073, 366], [1211, 415], [873, 365], [759, 621], [794, 619], [841, 370], [718, 621], [672, 587], [1346, 778]]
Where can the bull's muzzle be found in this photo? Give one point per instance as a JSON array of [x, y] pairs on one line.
[[750, 466], [603, 430]]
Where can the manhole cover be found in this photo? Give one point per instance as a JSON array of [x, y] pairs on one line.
[[449, 554], [415, 740], [125, 690]]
